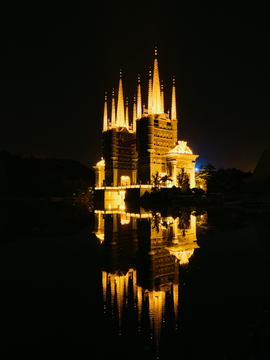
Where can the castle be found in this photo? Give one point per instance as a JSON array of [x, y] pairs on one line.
[[136, 151]]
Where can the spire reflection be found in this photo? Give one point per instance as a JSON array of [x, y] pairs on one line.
[[141, 254]]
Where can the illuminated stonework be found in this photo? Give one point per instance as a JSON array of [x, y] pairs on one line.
[[101, 163], [138, 150], [181, 148]]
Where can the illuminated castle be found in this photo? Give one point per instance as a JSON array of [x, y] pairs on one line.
[[135, 151]]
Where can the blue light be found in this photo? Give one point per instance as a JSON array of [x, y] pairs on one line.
[[196, 169]]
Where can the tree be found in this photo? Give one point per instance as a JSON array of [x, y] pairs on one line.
[[164, 179], [155, 179], [183, 180], [204, 176]]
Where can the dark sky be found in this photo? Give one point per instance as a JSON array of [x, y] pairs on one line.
[[58, 59]]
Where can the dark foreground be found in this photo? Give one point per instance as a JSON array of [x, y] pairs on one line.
[[51, 290]]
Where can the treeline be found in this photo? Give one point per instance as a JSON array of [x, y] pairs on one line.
[[222, 180], [229, 181], [35, 177]]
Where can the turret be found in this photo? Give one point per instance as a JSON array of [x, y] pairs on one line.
[[120, 118], [105, 116], [127, 118], [150, 94], [162, 99], [139, 99], [113, 110], [173, 112], [156, 88], [134, 115]]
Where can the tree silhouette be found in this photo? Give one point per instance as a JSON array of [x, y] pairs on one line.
[[183, 180]]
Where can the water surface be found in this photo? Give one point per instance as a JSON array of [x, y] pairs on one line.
[[77, 282]]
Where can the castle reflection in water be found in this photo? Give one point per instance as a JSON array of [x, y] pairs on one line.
[[142, 253]]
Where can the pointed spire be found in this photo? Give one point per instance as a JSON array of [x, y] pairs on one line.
[[162, 98], [105, 116], [134, 114], [173, 111], [113, 110], [150, 94], [139, 99], [156, 87], [127, 118], [120, 117]]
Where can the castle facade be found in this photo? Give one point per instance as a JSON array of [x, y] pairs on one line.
[[135, 152]]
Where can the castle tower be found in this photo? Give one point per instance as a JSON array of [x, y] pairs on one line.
[[127, 118], [150, 94], [162, 98], [105, 116], [173, 114], [134, 115], [120, 118], [173, 111], [156, 88], [113, 110], [139, 99]]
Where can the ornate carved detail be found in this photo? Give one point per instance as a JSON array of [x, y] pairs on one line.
[[181, 148]]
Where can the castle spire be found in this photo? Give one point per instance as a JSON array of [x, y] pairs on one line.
[[139, 99], [162, 98], [113, 110], [120, 117], [105, 116], [156, 87], [134, 114], [150, 95], [127, 119], [173, 111]]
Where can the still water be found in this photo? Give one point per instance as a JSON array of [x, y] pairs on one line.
[[83, 283]]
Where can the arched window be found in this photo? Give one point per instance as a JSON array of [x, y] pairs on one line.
[[125, 181]]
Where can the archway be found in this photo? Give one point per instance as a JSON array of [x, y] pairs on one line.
[[125, 181]]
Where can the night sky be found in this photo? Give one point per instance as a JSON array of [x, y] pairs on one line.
[[58, 59]]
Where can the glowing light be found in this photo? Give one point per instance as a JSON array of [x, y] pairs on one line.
[[134, 114], [125, 180], [181, 148], [173, 111], [156, 102], [184, 256], [162, 98], [156, 312], [139, 297], [120, 117], [105, 117], [139, 100], [125, 219], [113, 109], [101, 237], [150, 95], [129, 163], [101, 162], [175, 300], [127, 118]]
